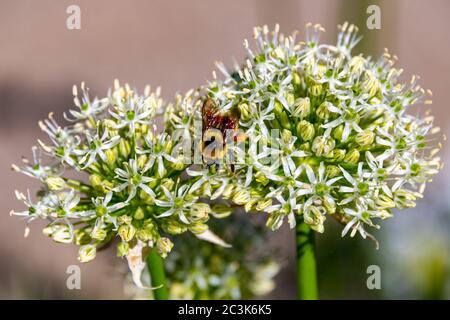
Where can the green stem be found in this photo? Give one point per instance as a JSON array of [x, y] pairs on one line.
[[306, 262], [156, 268]]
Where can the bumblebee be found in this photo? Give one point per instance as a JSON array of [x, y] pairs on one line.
[[218, 128]]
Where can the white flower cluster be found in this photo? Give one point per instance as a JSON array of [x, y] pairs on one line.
[[129, 184], [327, 133]]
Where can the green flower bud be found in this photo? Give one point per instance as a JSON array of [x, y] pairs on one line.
[[145, 234], [198, 227], [87, 253], [352, 156], [283, 119], [305, 130], [332, 171], [305, 146], [178, 164], [126, 232], [338, 155], [200, 211], [302, 108], [173, 227], [264, 203], [323, 111], [62, 234], [337, 132], [370, 83], [164, 246], [296, 79], [111, 157], [323, 145], [98, 234], [290, 98], [261, 178], [55, 183], [286, 136], [124, 219], [356, 66], [221, 210], [228, 191], [249, 205], [139, 214], [365, 138], [384, 202], [96, 181], [122, 249], [124, 148], [244, 110], [315, 219], [141, 161], [241, 197], [168, 183], [274, 220], [81, 237], [315, 90]]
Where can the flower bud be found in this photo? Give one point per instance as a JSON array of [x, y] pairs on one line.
[[356, 66], [124, 219], [323, 145], [264, 203], [370, 83], [352, 156], [315, 219], [305, 130], [241, 197], [337, 132], [62, 234], [296, 79], [384, 202], [126, 232], [244, 110], [221, 210], [178, 164], [167, 183], [249, 205], [199, 211], [332, 171], [338, 155], [173, 227], [98, 233], [164, 246], [323, 111], [274, 220], [228, 191], [315, 90], [198, 227], [111, 157], [286, 136], [87, 253], [261, 178], [141, 161], [81, 237], [124, 148], [96, 181], [122, 249], [55, 183], [365, 138], [302, 108], [139, 214]]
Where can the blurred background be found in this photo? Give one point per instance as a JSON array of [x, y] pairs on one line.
[[174, 44]]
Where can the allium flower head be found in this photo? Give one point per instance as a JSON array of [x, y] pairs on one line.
[[129, 187], [328, 132]]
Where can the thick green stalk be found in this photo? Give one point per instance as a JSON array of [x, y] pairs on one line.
[[306, 262], [156, 268]]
